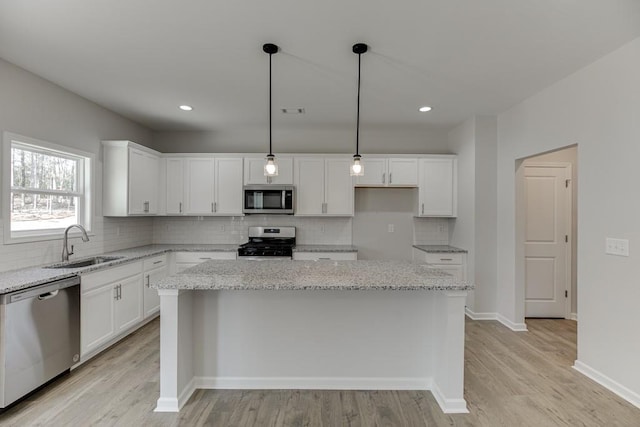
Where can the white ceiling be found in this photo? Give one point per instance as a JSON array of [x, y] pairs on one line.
[[142, 58]]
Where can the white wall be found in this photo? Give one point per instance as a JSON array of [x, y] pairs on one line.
[[377, 208], [597, 108], [462, 142], [373, 140], [475, 141], [34, 107], [568, 155]]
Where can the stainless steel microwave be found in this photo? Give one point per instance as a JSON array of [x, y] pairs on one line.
[[268, 199]]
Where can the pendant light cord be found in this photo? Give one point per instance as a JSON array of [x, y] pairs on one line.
[[358, 111], [270, 103]]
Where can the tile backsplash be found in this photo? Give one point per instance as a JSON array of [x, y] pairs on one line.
[[111, 234], [431, 231], [107, 234], [233, 230]]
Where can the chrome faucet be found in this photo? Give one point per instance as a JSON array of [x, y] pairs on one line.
[[65, 248]]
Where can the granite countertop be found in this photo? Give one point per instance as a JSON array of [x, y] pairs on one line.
[[324, 248], [440, 249], [312, 275], [33, 276]]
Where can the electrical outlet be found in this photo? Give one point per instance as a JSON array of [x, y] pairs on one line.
[[391, 228], [618, 247]]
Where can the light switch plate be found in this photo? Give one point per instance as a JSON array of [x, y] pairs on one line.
[[618, 247]]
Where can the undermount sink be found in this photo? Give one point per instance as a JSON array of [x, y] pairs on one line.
[[85, 262]]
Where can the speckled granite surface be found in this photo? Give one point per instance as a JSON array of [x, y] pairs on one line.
[[27, 277], [437, 249], [312, 275], [325, 248]]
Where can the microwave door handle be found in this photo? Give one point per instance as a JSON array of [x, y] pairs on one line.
[[284, 192]]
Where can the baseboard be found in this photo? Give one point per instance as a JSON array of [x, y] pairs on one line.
[[518, 327], [170, 404], [573, 316], [480, 316], [166, 404], [449, 406], [313, 383], [614, 386]]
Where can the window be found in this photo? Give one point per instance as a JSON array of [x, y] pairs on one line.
[[46, 189]]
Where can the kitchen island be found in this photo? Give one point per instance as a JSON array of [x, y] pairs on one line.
[[366, 325]]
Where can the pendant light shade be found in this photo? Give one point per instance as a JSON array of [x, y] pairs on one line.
[[357, 169], [270, 166]]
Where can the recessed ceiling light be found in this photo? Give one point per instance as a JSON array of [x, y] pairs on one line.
[[186, 107], [424, 109]]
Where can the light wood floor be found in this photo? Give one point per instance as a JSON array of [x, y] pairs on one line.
[[511, 379]]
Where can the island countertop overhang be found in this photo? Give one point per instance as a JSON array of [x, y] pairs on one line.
[[312, 275]]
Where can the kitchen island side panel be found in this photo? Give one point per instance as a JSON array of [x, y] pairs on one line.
[[314, 338]]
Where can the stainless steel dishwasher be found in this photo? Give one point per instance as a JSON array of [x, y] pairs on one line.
[[39, 336]]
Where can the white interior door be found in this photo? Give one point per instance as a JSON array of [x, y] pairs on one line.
[[547, 205]]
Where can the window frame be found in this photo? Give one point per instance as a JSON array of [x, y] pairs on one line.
[[84, 187]]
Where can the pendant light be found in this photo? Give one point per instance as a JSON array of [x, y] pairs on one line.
[[357, 169], [270, 167]]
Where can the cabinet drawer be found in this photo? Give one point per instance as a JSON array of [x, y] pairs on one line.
[[98, 278], [155, 262], [334, 256], [198, 257], [443, 258]]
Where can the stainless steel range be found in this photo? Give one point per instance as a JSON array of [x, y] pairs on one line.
[[268, 243]]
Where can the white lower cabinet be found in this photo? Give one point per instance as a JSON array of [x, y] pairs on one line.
[[452, 263], [155, 269], [110, 303], [317, 256], [128, 304], [186, 260]]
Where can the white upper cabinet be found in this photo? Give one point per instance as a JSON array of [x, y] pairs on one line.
[[199, 186], [175, 169], [375, 170], [389, 172], [438, 187], [204, 186], [228, 186], [323, 186], [338, 189], [254, 171], [309, 182], [403, 172], [130, 180]]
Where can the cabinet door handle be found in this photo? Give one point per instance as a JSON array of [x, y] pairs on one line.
[[120, 290], [145, 206], [325, 258], [206, 258], [157, 262], [180, 207], [423, 209], [389, 177], [383, 177], [446, 259], [148, 280], [115, 289]]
